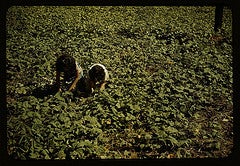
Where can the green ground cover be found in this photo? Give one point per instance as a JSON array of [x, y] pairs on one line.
[[170, 94]]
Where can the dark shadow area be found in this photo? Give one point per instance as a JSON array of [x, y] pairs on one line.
[[41, 92], [46, 90], [82, 90]]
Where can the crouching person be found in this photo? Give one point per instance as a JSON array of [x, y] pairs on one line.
[[71, 70], [97, 77]]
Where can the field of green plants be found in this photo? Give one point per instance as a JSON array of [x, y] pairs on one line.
[[170, 90]]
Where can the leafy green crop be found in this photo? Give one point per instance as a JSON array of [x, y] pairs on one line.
[[170, 90]]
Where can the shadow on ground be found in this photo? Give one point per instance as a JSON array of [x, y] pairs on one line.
[[41, 92]]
